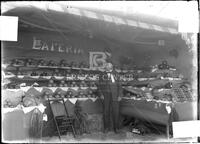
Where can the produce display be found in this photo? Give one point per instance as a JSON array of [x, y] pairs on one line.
[[162, 84], [71, 93], [40, 63], [42, 79], [35, 95]]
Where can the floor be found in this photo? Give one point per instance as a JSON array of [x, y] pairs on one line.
[[122, 137]]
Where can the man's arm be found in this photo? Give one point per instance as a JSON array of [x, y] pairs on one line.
[[119, 88]]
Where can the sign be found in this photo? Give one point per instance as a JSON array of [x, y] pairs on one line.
[[55, 46], [97, 60]]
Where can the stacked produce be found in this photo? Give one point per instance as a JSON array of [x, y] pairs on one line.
[[162, 83], [30, 62], [71, 93], [34, 96], [45, 79]]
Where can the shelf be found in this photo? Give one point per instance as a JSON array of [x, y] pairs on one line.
[[73, 68], [137, 72], [45, 78], [53, 88], [49, 67]]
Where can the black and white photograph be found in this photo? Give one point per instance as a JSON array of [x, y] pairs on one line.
[[99, 72]]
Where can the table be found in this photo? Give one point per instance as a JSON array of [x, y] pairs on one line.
[[152, 111], [156, 112]]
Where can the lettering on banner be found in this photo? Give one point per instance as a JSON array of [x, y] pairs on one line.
[[45, 47], [54, 46], [36, 43]]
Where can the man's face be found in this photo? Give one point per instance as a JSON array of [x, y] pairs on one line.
[[109, 67]]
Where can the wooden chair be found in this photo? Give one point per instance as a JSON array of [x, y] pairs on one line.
[[64, 123]]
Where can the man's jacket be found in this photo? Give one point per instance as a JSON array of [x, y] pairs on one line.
[[108, 88]]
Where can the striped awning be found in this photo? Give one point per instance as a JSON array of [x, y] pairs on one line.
[[111, 19]]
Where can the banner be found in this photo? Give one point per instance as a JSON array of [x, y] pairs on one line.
[[51, 45]]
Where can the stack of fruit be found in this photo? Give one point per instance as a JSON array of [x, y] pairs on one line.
[[48, 94], [34, 74], [71, 93], [93, 85], [63, 84], [13, 86], [90, 93], [164, 65], [74, 64], [44, 74], [81, 94], [52, 63], [83, 84], [128, 95], [57, 94], [51, 83], [31, 62], [17, 62], [83, 65], [56, 73], [74, 84], [63, 63], [42, 63], [20, 73]]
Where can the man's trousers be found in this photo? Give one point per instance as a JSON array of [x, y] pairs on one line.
[[110, 112]]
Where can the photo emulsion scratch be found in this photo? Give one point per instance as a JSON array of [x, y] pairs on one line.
[[99, 71]]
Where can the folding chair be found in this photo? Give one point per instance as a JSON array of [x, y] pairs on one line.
[[64, 123]]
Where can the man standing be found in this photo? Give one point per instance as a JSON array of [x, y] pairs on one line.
[[110, 88]]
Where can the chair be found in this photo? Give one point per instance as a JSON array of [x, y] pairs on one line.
[[64, 123]]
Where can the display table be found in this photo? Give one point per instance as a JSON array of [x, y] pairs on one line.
[[16, 122], [156, 111], [147, 110]]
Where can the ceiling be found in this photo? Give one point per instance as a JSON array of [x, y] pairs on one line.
[[36, 19]]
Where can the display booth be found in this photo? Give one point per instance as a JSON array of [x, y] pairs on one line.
[[60, 52]]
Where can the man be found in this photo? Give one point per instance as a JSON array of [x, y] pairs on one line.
[[110, 88]]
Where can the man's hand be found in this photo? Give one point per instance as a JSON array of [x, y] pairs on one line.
[[101, 96]]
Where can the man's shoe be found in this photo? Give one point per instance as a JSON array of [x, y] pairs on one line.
[[117, 131], [105, 131]]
